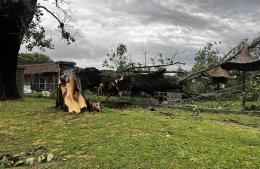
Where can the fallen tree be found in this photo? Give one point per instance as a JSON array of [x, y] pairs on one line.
[[134, 82], [90, 77]]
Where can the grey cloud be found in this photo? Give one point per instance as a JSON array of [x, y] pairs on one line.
[[154, 11], [228, 8], [156, 25], [82, 49]]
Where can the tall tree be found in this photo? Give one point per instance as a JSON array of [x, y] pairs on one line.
[[116, 58], [206, 57], [20, 23]]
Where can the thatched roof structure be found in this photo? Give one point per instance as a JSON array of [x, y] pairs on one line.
[[244, 62], [219, 73]]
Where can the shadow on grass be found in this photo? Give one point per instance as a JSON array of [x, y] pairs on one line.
[[229, 120], [117, 105]]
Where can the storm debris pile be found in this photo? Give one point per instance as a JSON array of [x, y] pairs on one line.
[[32, 156]]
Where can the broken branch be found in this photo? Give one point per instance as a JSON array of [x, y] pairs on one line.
[[47, 10]]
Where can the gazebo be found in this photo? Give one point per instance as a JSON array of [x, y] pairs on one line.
[[219, 75], [243, 62]]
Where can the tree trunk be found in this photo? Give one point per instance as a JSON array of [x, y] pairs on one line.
[[15, 17], [9, 47]]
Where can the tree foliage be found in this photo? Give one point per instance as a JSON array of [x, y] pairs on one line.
[[206, 57], [33, 58], [29, 17], [116, 58], [35, 34]]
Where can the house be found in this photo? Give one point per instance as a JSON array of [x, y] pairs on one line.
[[44, 76]]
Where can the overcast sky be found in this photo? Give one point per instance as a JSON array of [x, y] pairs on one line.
[[155, 26]]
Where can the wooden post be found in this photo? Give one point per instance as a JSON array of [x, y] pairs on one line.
[[243, 90], [218, 87]]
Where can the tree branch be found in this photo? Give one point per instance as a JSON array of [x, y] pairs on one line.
[[146, 71], [175, 54], [156, 66], [46, 9], [65, 35]]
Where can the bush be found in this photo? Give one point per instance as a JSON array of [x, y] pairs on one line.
[[35, 94], [53, 93], [253, 107]]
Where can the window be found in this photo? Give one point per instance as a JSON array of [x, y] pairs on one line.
[[43, 83]]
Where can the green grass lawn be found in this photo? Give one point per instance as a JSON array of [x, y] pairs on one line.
[[130, 138]]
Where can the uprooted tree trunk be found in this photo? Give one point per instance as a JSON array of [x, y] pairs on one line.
[[15, 17]]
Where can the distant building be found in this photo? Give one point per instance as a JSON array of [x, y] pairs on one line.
[[42, 77]]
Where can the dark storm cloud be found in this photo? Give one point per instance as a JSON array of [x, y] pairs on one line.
[[230, 8], [153, 11], [156, 26]]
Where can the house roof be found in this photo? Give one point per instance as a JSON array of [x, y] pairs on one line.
[[51, 67]]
